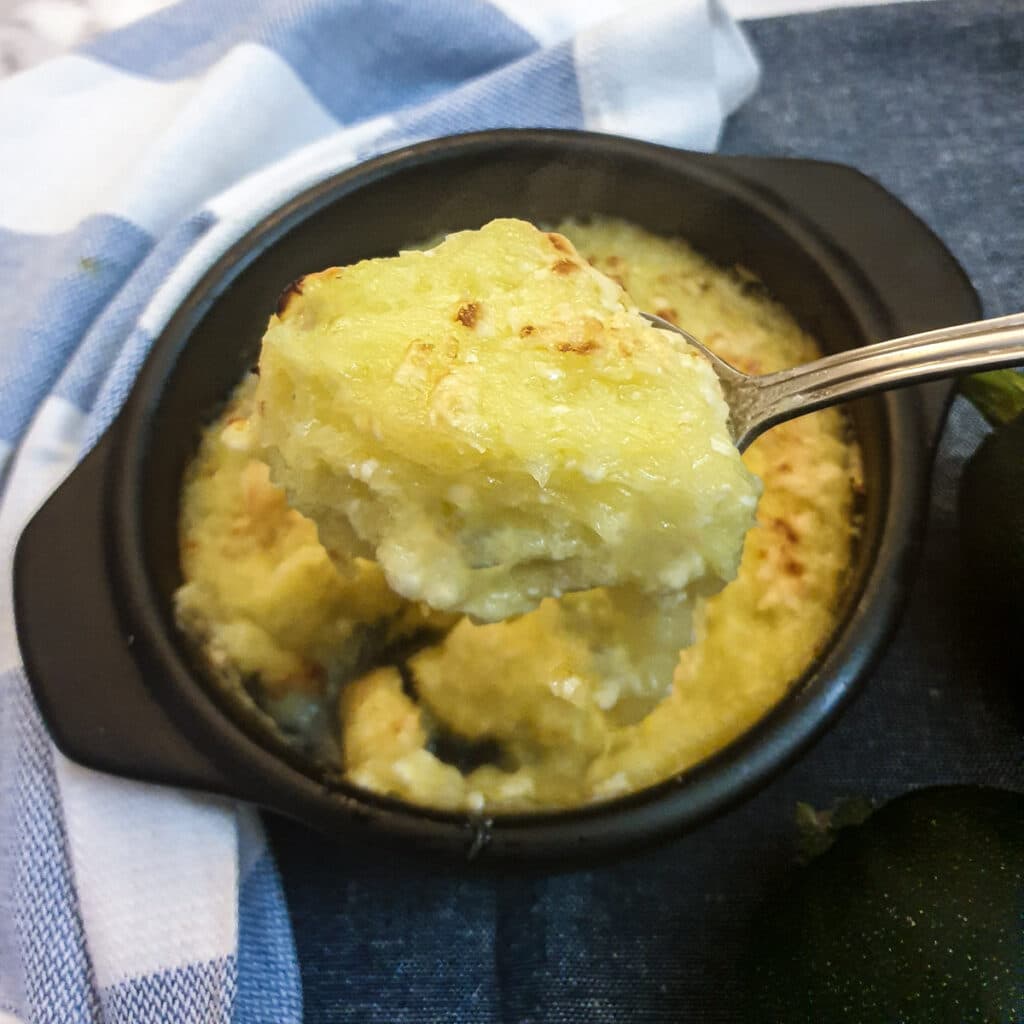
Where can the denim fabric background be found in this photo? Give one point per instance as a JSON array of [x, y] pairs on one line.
[[927, 98]]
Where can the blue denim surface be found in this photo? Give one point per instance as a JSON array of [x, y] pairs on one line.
[[926, 98]]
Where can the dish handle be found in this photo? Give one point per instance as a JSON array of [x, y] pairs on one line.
[[91, 692]]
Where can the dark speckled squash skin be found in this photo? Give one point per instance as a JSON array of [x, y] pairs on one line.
[[914, 917], [992, 520]]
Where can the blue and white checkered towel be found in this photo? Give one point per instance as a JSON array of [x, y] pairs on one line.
[[125, 169]]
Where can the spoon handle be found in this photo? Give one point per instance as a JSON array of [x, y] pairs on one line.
[[757, 403]]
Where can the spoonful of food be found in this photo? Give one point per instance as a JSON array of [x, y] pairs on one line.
[[494, 422], [757, 403]]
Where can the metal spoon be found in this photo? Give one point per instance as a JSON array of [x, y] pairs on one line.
[[757, 403]]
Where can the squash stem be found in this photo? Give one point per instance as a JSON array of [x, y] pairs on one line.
[[998, 395]]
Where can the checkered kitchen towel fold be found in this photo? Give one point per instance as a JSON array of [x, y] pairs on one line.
[[125, 169]]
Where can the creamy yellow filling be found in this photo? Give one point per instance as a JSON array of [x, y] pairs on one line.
[[263, 598], [261, 593]]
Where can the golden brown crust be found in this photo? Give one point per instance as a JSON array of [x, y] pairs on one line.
[[560, 242], [286, 297], [581, 348], [468, 313], [565, 266], [786, 529]]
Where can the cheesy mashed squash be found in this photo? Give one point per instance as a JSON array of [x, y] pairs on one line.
[[563, 704], [494, 420]]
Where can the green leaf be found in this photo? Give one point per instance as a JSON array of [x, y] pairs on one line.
[[998, 395]]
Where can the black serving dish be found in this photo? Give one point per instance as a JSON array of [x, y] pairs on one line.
[[96, 567]]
